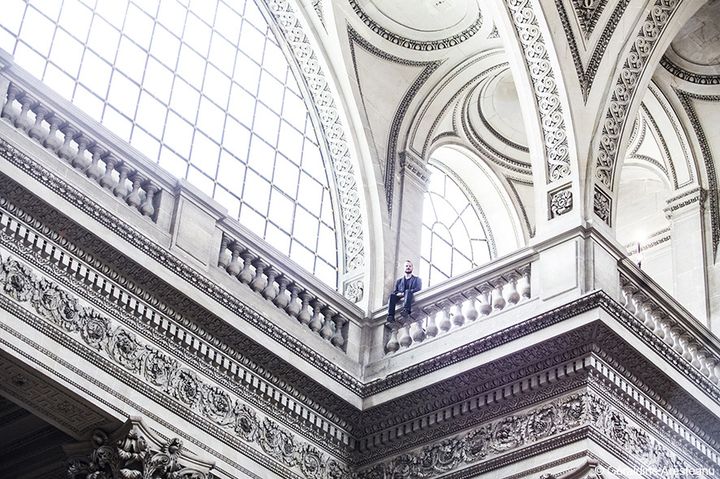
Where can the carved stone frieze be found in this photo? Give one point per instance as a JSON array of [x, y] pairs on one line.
[[623, 93], [411, 44], [167, 375], [545, 89], [134, 452], [525, 429]]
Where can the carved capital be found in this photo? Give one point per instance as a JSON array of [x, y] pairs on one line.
[[134, 451], [413, 167]]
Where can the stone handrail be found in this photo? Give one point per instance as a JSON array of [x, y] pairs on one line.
[[480, 293], [664, 318], [71, 136], [304, 299]]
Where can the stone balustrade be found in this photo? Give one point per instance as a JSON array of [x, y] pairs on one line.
[[62, 137], [438, 314], [670, 327], [296, 298]]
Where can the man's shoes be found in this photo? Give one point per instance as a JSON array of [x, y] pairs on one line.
[[390, 322]]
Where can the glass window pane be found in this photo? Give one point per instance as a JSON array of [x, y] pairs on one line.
[[75, 18], [37, 31], [172, 16], [178, 134], [138, 26], [165, 47], [67, 52], [131, 59], [205, 154], [158, 80], [197, 34], [103, 39]]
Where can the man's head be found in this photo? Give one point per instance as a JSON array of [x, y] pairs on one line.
[[408, 267]]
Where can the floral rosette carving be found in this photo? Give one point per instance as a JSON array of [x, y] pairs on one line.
[[616, 427], [311, 462], [186, 387], [441, 458], [246, 423], [16, 280], [476, 444], [125, 349], [217, 405], [158, 368], [403, 466], [541, 423], [572, 410], [278, 443], [506, 434], [94, 328], [56, 305], [335, 470]]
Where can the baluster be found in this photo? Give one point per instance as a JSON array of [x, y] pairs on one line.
[[639, 301], [122, 190], [403, 336], [107, 181], [94, 171], [148, 207], [246, 275], [693, 350], [659, 331], [702, 357], [270, 291], [233, 267], [134, 198], [80, 161], [416, 331], [457, 316], [225, 255], [431, 330], [444, 323], [259, 282], [525, 282], [23, 121], [484, 296], [66, 151], [304, 316], [338, 340], [52, 142], [392, 344], [676, 332], [37, 131], [8, 110], [282, 300], [685, 345], [668, 337], [498, 300], [715, 371], [328, 327], [647, 310], [628, 290], [468, 307], [513, 297], [317, 321], [293, 307]]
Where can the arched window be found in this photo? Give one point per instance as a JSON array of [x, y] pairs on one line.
[[204, 89], [454, 239]]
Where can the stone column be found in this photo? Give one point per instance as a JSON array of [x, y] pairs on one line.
[[687, 234]]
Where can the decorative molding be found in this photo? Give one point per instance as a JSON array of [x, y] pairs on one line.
[[626, 87], [672, 174], [492, 129], [545, 88], [602, 205], [418, 45], [696, 196], [707, 156], [175, 265], [529, 429], [688, 76], [391, 156], [219, 364], [133, 452], [410, 164], [111, 346], [318, 7], [586, 75], [343, 169]]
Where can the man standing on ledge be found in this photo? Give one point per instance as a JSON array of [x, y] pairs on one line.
[[405, 288]]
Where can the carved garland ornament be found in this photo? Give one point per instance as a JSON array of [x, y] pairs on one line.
[[524, 429], [160, 370], [333, 129], [545, 88], [626, 87]]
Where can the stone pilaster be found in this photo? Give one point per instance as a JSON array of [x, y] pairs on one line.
[[687, 232]]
